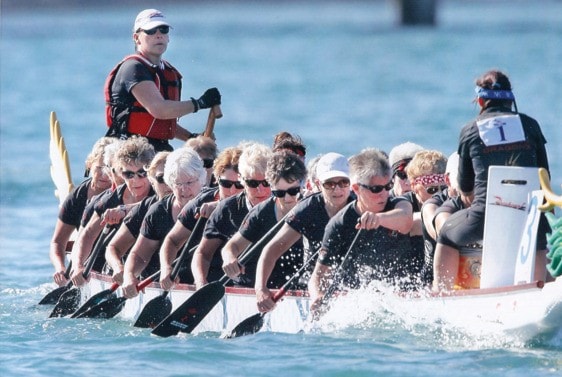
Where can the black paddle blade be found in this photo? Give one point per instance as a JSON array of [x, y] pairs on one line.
[[93, 301], [106, 309], [249, 326], [186, 317], [67, 303], [52, 297], [154, 312]]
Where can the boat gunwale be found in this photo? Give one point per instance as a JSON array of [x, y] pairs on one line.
[[191, 288]]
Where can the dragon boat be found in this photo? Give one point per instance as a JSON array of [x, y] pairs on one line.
[[509, 298]]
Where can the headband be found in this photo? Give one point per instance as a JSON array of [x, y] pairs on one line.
[[401, 164], [494, 94], [430, 179]]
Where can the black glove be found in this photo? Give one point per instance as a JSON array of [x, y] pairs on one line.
[[210, 98]]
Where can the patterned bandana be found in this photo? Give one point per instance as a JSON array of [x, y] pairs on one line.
[[431, 180]]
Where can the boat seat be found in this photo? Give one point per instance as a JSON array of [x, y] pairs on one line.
[[509, 190]]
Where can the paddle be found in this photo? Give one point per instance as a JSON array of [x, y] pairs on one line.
[[110, 305], [189, 314], [254, 323], [338, 276], [69, 300], [214, 113], [94, 300], [161, 306], [52, 297]]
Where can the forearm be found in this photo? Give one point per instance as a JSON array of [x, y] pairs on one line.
[[182, 134], [58, 246], [113, 258], [317, 284], [397, 219], [168, 109], [416, 229], [135, 264], [200, 268], [265, 266], [57, 256]]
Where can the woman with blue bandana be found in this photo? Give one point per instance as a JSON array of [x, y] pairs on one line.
[[499, 135]]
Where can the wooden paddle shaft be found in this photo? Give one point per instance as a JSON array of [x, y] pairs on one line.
[[217, 111], [214, 113]]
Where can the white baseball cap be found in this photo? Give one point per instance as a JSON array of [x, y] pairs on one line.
[[149, 19], [332, 165]]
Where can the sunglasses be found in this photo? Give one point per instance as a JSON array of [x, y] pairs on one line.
[[401, 174], [159, 179], [127, 174], [431, 190], [281, 193], [254, 183], [228, 184], [331, 185], [208, 163], [163, 30], [375, 189]]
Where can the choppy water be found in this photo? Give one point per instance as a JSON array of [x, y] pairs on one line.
[[341, 75]]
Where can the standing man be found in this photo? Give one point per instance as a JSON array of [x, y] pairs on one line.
[[143, 91]]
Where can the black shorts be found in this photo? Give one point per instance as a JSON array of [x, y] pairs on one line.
[[466, 227], [463, 228]]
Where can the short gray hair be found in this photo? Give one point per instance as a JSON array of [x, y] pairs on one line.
[[184, 160], [370, 162]]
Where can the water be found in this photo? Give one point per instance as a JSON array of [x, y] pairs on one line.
[[341, 75]]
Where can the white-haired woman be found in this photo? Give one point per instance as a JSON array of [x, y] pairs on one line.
[[225, 220], [185, 175]]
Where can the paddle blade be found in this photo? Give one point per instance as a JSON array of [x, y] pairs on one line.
[[249, 326], [53, 297], [93, 301], [154, 312], [106, 309], [67, 303], [189, 314]]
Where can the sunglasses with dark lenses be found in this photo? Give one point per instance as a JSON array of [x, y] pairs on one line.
[[401, 174], [159, 179], [431, 190], [254, 183], [281, 193], [375, 189], [228, 184], [208, 163], [127, 174], [163, 29], [330, 185]]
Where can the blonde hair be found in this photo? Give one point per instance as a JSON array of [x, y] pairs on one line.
[[135, 151], [426, 162], [98, 151]]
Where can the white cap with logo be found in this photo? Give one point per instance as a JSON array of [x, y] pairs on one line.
[[149, 19], [332, 165]]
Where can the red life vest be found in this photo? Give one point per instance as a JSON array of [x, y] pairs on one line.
[[123, 119]]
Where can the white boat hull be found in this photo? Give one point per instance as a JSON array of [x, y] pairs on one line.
[[525, 311]]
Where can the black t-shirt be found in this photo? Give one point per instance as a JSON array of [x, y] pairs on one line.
[[91, 205], [129, 74], [379, 254], [222, 224], [309, 218], [257, 223], [475, 157], [189, 211], [73, 206]]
